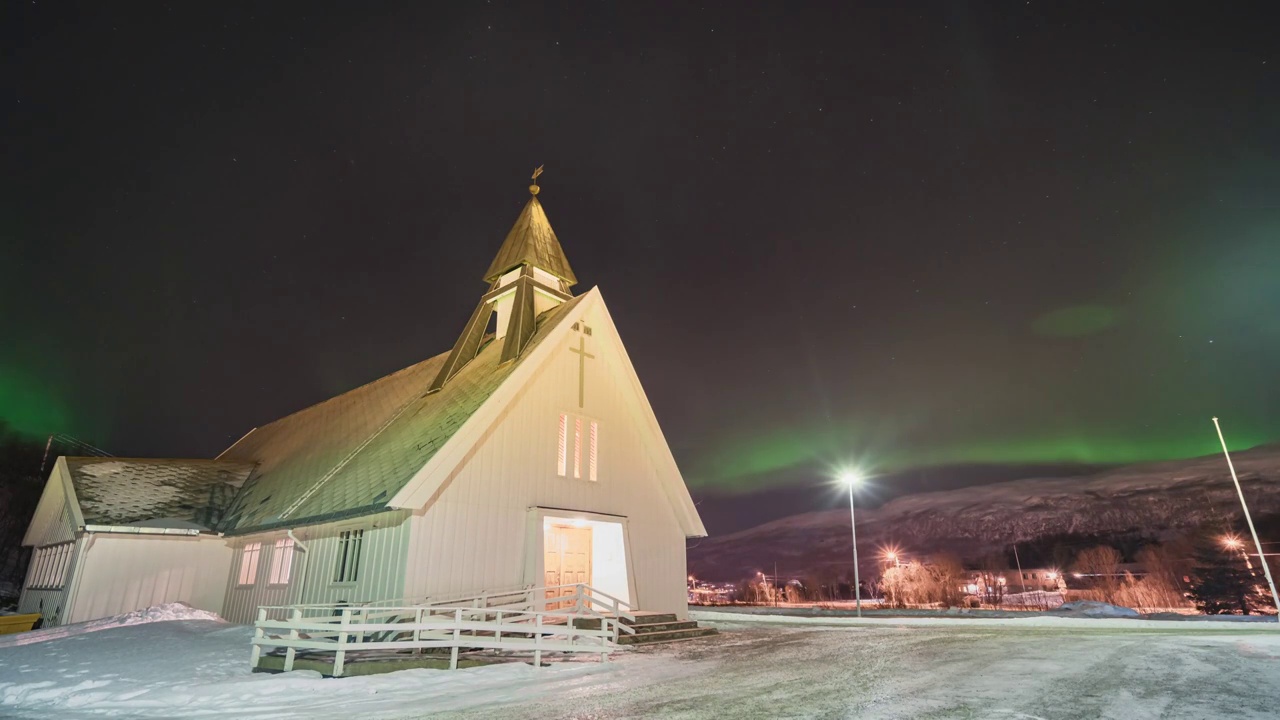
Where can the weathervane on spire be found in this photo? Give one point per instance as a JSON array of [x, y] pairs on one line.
[[534, 187]]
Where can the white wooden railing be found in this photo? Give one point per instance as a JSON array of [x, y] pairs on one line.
[[506, 621]]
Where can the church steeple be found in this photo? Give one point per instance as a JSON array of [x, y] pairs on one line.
[[529, 275], [532, 242]]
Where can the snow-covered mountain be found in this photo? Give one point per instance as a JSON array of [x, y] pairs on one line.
[[1154, 499]]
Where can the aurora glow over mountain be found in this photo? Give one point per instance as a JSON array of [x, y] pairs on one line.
[[895, 236]]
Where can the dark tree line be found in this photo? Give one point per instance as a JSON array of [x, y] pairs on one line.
[[20, 487]]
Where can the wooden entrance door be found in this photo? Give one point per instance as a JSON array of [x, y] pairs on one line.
[[566, 560]]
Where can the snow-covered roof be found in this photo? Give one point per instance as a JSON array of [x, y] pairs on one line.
[[158, 492], [350, 455]]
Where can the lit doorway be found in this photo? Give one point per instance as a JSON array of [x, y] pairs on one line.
[[591, 552], [566, 552]]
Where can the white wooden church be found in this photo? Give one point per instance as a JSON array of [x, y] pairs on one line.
[[526, 456]]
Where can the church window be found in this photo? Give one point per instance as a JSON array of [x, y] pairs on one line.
[[579, 437], [249, 563], [591, 458], [562, 447], [281, 562], [577, 447], [348, 567]]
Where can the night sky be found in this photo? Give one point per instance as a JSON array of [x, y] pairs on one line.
[[1011, 237]]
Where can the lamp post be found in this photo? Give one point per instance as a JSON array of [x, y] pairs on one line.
[[851, 478], [1275, 597]]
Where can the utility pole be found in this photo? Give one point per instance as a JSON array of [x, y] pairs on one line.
[[1022, 578], [1256, 543]]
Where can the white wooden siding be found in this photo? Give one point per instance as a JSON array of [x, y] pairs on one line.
[[474, 536], [382, 565], [53, 524], [51, 603], [54, 519], [121, 573]]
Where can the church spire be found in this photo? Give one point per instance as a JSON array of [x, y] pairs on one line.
[[529, 276], [532, 242]]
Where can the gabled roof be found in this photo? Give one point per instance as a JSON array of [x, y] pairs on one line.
[[438, 470], [533, 242], [155, 492], [350, 455]]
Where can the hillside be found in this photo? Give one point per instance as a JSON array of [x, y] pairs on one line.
[[1151, 500]]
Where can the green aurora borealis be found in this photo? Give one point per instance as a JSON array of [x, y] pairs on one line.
[[1198, 335], [893, 234]]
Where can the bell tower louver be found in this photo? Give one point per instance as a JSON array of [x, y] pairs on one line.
[[529, 275]]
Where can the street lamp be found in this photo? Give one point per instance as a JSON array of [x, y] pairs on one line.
[[1231, 542], [1266, 570], [851, 479]]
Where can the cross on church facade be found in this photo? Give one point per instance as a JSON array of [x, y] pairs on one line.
[[583, 356]]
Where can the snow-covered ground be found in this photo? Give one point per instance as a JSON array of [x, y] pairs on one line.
[[760, 666]]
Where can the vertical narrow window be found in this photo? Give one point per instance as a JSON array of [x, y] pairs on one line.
[[577, 447], [562, 450], [249, 563], [281, 562], [348, 567], [592, 454]]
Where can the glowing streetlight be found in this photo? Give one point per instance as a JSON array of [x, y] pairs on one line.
[[1266, 570], [851, 479]]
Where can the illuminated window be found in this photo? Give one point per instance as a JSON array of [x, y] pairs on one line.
[[249, 563], [348, 567], [281, 562], [562, 446], [591, 456], [577, 447], [582, 441]]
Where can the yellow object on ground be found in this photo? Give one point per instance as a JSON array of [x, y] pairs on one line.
[[10, 624]]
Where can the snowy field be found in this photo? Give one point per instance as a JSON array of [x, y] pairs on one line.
[[760, 666]]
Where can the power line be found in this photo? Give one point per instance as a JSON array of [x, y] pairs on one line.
[[67, 439]]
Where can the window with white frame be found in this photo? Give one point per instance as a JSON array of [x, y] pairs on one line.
[[562, 451], [579, 437], [347, 569], [281, 562], [49, 566], [249, 563]]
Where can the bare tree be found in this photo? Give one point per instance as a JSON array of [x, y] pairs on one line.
[[1101, 564]]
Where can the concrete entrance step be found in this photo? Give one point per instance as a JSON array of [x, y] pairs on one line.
[[652, 627], [650, 618], [662, 636]]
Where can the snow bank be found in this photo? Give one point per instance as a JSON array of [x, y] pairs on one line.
[[1095, 609], [156, 613], [962, 621], [200, 668]]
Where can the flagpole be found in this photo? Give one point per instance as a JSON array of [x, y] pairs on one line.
[[1266, 569]]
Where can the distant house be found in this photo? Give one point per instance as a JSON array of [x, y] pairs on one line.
[[991, 586], [525, 456], [1042, 579]]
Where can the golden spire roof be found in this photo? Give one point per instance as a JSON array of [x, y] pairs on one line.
[[531, 241]]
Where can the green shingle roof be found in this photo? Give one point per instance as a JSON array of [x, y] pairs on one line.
[[350, 455], [155, 492]]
